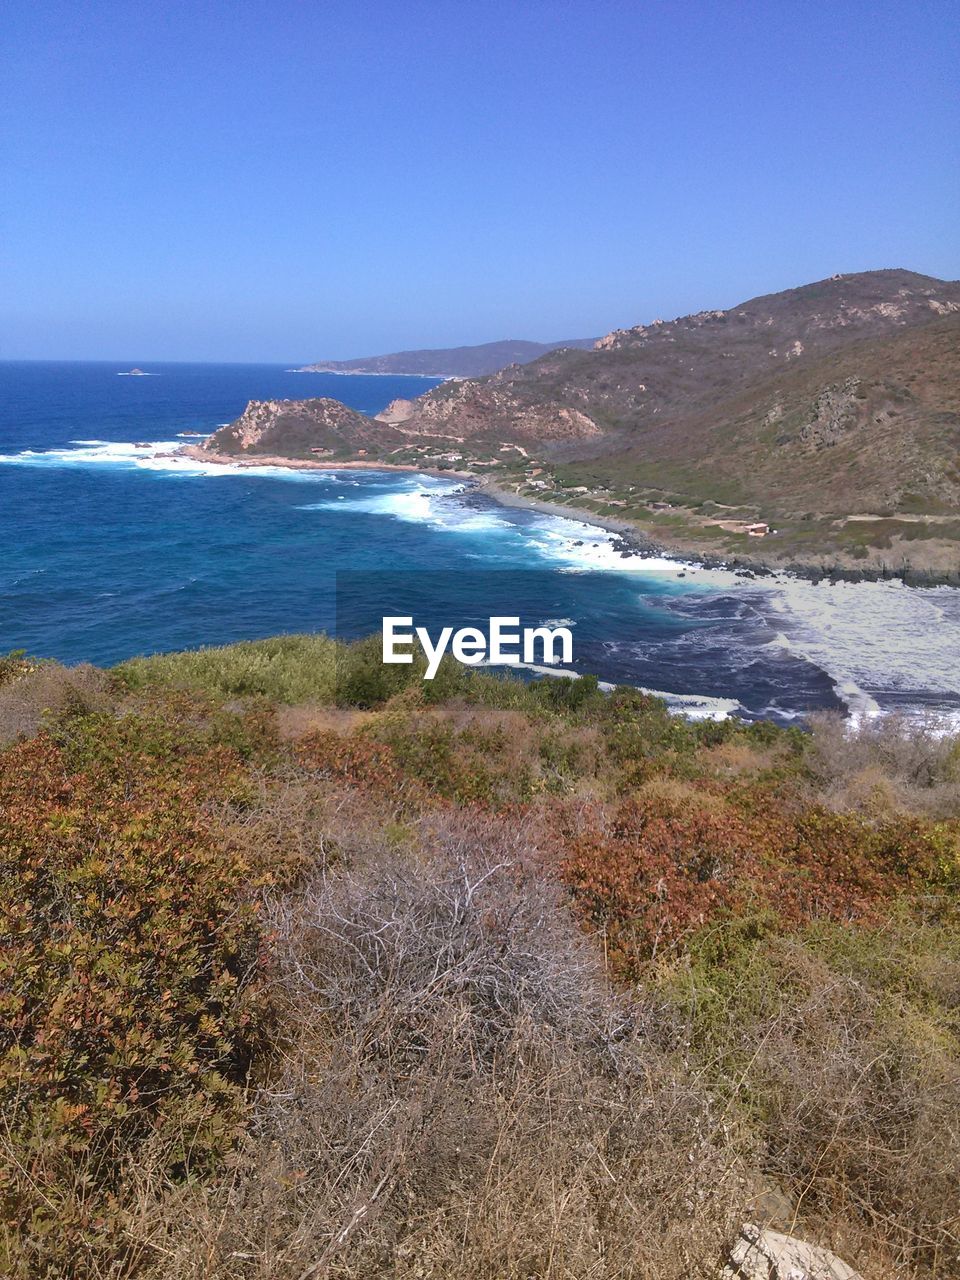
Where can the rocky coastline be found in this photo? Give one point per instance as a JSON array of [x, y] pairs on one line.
[[198, 453], [631, 538]]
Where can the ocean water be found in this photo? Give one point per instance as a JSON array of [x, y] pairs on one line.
[[111, 548]]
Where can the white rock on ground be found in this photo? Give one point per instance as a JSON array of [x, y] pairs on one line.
[[761, 1254]]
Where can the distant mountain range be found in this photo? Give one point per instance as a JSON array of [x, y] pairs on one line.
[[450, 362], [829, 413]]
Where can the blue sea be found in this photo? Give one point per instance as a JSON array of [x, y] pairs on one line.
[[113, 547]]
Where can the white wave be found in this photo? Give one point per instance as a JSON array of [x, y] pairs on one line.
[[780, 641], [86, 452], [584, 546], [422, 500], [194, 467], [156, 455], [940, 721], [859, 703], [694, 706], [697, 706], [873, 638]]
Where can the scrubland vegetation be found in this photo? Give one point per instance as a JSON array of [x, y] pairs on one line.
[[312, 969]]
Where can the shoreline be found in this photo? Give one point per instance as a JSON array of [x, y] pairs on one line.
[[637, 539], [199, 454], [634, 538]]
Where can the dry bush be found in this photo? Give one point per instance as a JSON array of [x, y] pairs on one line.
[[869, 1127], [841, 1048], [737, 758], [50, 689], [679, 796], [465, 716], [297, 722], [460, 1096], [290, 823], [868, 1121], [885, 765]]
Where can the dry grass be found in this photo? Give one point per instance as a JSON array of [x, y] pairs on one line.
[[679, 796], [888, 765], [294, 723], [460, 1096], [840, 1051], [49, 689], [736, 759]]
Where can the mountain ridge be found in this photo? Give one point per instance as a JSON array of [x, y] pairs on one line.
[[675, 366], [829, 413], [449, 362]]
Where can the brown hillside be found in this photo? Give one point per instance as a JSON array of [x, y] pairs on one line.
[[685, 366], [872, 428], [300, 429]]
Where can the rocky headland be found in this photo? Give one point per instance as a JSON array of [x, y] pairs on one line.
[[816, 429]]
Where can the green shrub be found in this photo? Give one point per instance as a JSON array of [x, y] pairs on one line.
[[284, 669], [13, 664]]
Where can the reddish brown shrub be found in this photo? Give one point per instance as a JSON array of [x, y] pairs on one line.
[[656, 872], [127, 1012]]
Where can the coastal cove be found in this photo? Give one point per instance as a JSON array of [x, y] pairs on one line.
[[761, 562], [169, 549], [635, 538]]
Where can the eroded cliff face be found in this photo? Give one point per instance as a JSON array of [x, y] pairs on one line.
[[397, 411], [833, 414], [247, 431], [487, 412]]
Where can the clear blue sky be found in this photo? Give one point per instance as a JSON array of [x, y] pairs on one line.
[[282, 181]]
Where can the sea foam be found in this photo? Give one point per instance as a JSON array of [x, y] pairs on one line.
[[883, 645]]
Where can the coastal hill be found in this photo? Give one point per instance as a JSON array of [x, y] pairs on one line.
[[855, 446], [450, 362], [829, 413], [302, 430], [671, 370]]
